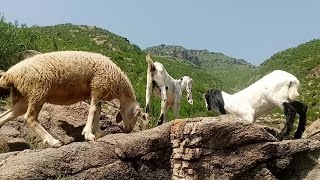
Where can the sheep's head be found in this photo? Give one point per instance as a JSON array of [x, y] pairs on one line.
[[187, 82], [214, 101], [129, 115]]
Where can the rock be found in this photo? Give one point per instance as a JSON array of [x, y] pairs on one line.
[[304, 166], [221, 147], [65, 123], [315, 72], [144, 155], [9, 131], [10, 140], [313, 131]]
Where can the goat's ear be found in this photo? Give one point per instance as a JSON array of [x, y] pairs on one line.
[[118, 118]]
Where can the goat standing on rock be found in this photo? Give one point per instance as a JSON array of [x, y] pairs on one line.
[[277, 89], [65, 78], [168, 89]]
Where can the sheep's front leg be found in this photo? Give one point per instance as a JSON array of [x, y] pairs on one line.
[[32, 121], [87, 130], [96, 127]]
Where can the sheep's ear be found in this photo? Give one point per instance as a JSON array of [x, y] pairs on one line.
[[137, 112], [118, 118]]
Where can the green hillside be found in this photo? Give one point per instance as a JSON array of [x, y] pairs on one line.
[[229, 74], [126, 55], [303, 61]]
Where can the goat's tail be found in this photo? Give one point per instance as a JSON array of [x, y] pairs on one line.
[[150, 62], [293, 91]]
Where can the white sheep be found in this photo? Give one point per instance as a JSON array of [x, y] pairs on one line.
[[170, 90], [277, 89], [64, 78]]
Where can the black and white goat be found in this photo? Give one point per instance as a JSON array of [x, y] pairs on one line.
[[277, 89], [170, 90]]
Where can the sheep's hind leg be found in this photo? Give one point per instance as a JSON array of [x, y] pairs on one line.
[[96, 127], [32, 121], [18, 109], [87, 130], [290, 113]]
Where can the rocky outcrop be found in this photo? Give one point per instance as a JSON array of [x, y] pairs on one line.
[[221, 147], [313, 131], [198, 57], [315, 72], [63, 122]]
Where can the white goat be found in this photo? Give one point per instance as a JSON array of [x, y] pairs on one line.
[[170, 90], [65, 78], [277, 89]]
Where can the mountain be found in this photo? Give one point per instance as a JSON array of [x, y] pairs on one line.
[[199, 57], [229, 70]]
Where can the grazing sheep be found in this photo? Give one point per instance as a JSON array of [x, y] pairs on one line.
[[277, 89], [165, 87], [64, 78]]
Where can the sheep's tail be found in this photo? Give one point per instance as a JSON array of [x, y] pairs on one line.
[[293, 91], [151, 65], [5, 85]]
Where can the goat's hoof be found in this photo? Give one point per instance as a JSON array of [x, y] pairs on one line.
[[89, 137], [159, 123], [53, 143]]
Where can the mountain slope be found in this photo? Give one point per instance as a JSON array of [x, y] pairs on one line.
[[126, 55], [304, 62], [230, 71]]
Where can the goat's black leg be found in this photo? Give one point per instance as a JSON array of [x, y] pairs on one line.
[[301, 109], [160, 120], [290, 113], [147, 108]]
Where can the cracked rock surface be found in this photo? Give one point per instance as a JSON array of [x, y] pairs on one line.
[[222, 147]]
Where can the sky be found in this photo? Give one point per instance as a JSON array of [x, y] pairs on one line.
[[252, 30]]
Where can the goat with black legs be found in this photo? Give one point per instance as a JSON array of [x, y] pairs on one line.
[[277, 89]]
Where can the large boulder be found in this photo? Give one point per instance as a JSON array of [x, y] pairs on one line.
[[313, 131], [221, 147], [63, 122]]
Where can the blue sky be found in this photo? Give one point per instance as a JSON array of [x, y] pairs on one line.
[[249, 29]]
